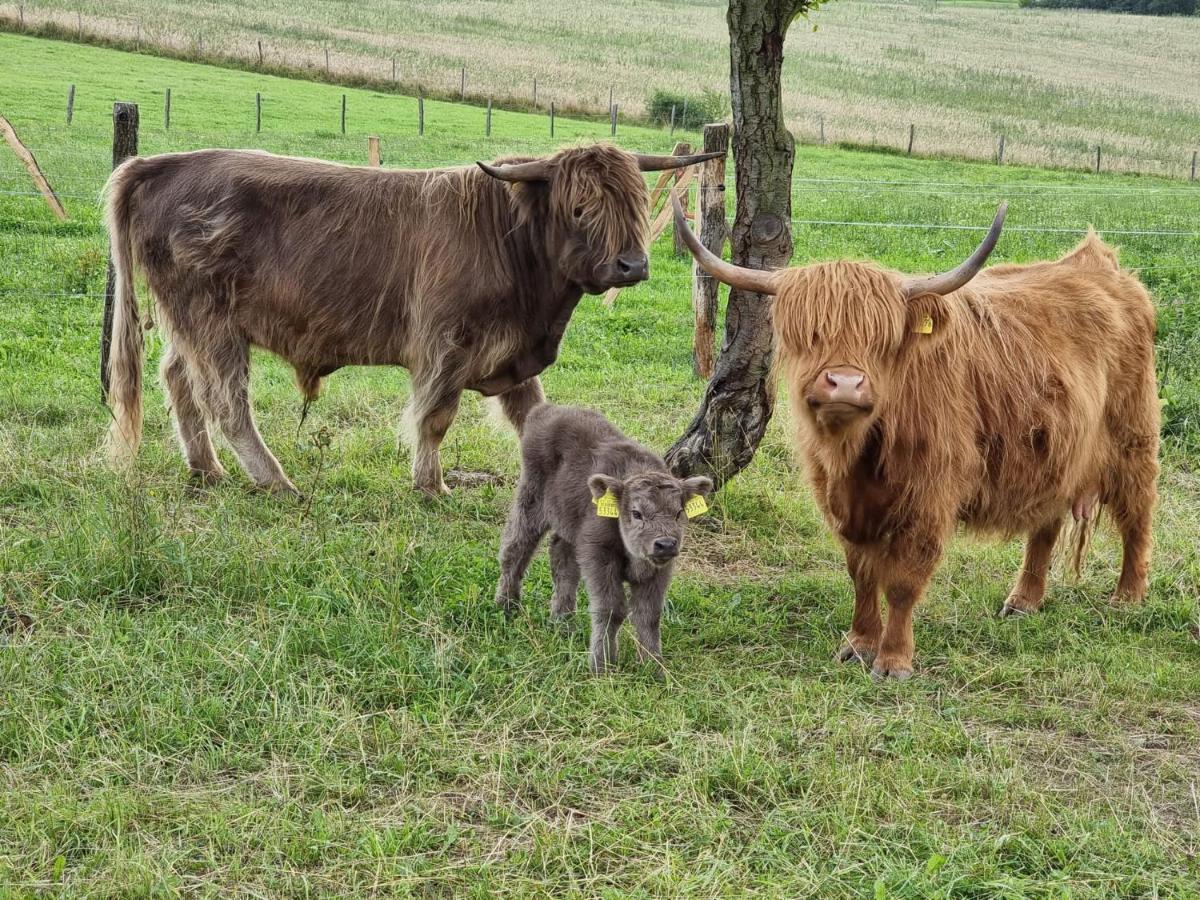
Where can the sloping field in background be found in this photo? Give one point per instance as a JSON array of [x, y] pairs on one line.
[[1055, 83]]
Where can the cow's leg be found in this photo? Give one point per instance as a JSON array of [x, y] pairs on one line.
[[226, 389], [517, 401], [862, 643], [1131, 504], [606, 600], [895, 656], [431, 413], [1026, 595], [646, 604], [191, 427], [522, 532], [564, 568]]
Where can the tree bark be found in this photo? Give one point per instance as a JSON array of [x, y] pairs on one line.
[[739, 399]]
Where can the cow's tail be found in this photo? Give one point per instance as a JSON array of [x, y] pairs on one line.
[[124, 338], [1079, 540]]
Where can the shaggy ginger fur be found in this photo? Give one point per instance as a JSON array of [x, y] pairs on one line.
[[1034, 393]]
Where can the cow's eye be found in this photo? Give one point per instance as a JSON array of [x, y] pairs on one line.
[[637, 514], [578, 212]]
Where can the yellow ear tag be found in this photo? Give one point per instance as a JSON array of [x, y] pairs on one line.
[[695, 507], [606, 506], [925, 326]]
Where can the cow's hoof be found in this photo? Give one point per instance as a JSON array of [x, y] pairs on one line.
[[850, 653], [1014, 607], [894, 671], [283, 489], [1125, 596], [564, 623], [433, 491], [205, 478]]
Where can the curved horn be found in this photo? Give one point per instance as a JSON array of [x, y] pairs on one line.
[[957, 277], [758, 281], [534, 170], [649, 163]]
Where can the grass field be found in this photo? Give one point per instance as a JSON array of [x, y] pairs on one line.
[[224, 692], [1055, 83]]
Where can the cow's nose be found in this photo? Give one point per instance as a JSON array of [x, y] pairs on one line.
[[845, 387], [633, 266], [666, 547]]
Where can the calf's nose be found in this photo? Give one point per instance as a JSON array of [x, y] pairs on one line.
[[666, 547]]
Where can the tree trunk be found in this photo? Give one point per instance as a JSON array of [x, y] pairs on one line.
[[739, 400]]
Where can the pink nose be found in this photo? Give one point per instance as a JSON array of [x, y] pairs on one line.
[[844, 387]]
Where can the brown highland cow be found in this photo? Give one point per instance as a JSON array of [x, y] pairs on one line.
[[1003, 399]]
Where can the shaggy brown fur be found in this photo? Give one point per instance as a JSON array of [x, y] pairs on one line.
[[570, 457], [1033, 395], [466, 280]]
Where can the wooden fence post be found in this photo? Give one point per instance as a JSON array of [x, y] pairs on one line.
[[1000, 152], [343, 113], [420, 113], [672, 120], [70, 103], [21, 14], [488, 129], [821, 126], [167, 110], [326, 60], [124, 145], [551, 118], [613, 111], [912, 133], [1194, 154], [1097, 158], [462, 84], [258, 112], [681, 149], [260, 53], [610, 98], [393, 69], [9, 134], [712, 232], [373, 158]]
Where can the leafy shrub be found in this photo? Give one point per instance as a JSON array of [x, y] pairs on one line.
[[690, 111], [1137, 7]]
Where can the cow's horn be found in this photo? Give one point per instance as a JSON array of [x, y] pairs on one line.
[[757, 280], [650, 163], [956, 278], [534, 170]]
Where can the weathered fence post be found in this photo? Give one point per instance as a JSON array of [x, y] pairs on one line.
[[712, 232], [672, 120], [167, 110], [821, 127], [373, 151], [393, 69], [258, 112], [462, 85], [681, 149], [260, 53], [551, 118], [613, 111], [1097, 158], [488, 129], [124, 145], [610, 98], [326, 60], [70, 103], [343, 113], [1194, 154], [912, 133], [420, 113], [1000, 152]]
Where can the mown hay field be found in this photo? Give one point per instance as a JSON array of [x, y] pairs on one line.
[[219, 691], [1055, 83]]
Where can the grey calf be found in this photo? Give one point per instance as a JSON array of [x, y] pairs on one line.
[[616, 515]]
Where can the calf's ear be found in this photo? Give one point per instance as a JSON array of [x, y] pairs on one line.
[[600, 485], [697, 486]]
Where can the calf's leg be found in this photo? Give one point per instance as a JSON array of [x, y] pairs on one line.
[[1026, 595], [862, 643], [646, 605], [606, 596], [564, 569], [522, 532], [191, 426]]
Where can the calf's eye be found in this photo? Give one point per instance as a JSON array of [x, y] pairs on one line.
[[637, 515], [578, 212]]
